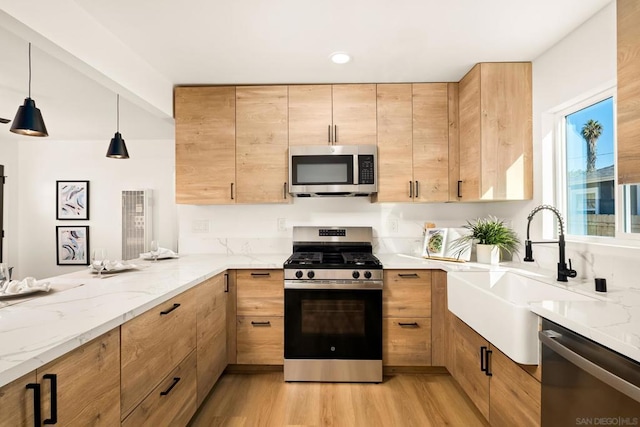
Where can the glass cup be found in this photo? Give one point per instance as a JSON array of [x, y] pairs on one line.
[[4, 276], [99, 259], [154, 250]]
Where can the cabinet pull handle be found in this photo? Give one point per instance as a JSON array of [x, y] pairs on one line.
[[284, 191], [417, 189], [459, 189], [260, 274], [410, 190], [176, 380], [329, 134], [487, 362], [232, 191], [483, 359], [53, 398], [408, 275], [408, 324], [226, 282], [335, 133], [37, 416], [176, 305], [267, 323]]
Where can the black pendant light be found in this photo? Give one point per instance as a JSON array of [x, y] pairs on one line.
[[28, 120], [117, 148]]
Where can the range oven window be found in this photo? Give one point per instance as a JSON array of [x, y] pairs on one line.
[[321, 169], [333, 324]]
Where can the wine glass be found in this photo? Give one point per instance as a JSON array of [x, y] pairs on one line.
[[4, 272], [99, 259], [154, 250]]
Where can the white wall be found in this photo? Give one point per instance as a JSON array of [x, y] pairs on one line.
[[43, 161], [9, 158], [582, 64]]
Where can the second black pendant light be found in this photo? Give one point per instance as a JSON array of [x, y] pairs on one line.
[[28, 120], [117, 148]]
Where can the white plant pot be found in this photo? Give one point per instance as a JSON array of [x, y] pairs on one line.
[[487, 254]]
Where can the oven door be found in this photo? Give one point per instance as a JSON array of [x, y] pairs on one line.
[[333, 324]]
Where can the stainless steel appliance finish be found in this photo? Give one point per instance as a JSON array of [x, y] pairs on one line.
[[584, 383], [333, 306], [333, 170]]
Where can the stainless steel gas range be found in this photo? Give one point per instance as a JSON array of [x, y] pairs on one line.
[[333, 306]]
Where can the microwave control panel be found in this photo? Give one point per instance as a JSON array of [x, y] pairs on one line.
[[366, 167]]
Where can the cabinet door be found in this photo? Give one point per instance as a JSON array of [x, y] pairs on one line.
[[16, 402], [261, 144], [354, 114], [260, 340], [407, 341], [454, 140], [231, 289], [515, 395], [628, 109], [470, 135], [406, 293], [153, 344], [431, 142], [88, 384], [310, 121], [395, 143], [467, 345], [260, 293], [440, 334], [211, 333], [205, 144]]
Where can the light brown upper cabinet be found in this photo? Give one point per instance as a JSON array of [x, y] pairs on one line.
[[628, 91], [261, 144], [495, 133], [332, 114], [413, 142], [205, 144]]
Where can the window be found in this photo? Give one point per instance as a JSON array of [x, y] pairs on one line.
[[588, 173]]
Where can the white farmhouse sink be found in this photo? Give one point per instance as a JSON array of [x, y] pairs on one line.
[[496, 305]]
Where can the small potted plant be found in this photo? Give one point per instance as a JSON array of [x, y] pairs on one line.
[[491, 236]]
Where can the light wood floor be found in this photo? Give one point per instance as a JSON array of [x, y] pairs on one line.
[[401, 400]]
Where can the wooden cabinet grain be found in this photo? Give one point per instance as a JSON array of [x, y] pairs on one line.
[[495, 132], [261, 144], [413, 142], [260, 340], [205, 144], [341, 114], [17, 401], [406, 311], [628, 108], [153, 344]]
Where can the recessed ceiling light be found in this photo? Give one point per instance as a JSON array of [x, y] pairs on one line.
[[340, 57]]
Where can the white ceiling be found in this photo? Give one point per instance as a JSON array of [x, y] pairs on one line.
[[278, 41]]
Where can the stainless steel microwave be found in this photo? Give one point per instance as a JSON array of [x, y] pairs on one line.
[[333, 170]]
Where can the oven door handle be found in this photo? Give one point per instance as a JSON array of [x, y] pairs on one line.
[[548, 338], [304, 285]]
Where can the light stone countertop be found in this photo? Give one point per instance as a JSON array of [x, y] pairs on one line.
[[39, 330]]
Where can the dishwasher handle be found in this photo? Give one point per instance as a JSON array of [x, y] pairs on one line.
[[548, 338]]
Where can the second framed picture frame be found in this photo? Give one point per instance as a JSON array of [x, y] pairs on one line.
[[72, 245], [72, 200]]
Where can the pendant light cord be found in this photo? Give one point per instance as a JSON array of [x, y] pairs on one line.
[[118, 112], [29, 70]]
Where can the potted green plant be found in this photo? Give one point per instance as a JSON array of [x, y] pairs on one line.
[[491, 236]]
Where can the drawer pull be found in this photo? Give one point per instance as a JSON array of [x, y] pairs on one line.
[[54, 398], [409, 275], [173, 384], [260, 274], [408, 325], [37, 416], [267, 323], [176, 305]]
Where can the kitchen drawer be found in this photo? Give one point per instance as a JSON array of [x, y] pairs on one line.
[[153, 344], [406, 341], [172, 402], [260, 340], [406, 293], [260, 293]]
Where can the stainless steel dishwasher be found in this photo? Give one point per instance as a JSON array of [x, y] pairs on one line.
[[585, 383]]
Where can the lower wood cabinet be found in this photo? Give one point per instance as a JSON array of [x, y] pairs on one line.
[[260, 340], [80, 388], [170, 403], [153, 344], [503, 391]]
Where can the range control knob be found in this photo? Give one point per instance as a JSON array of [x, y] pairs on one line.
[[310, 274], [355, 274], [299, 274], [367, 275]]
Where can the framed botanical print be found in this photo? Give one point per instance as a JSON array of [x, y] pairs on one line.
[[72, 245], [72, 200]]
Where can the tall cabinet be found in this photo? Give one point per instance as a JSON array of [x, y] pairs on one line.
[[495, 133]]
